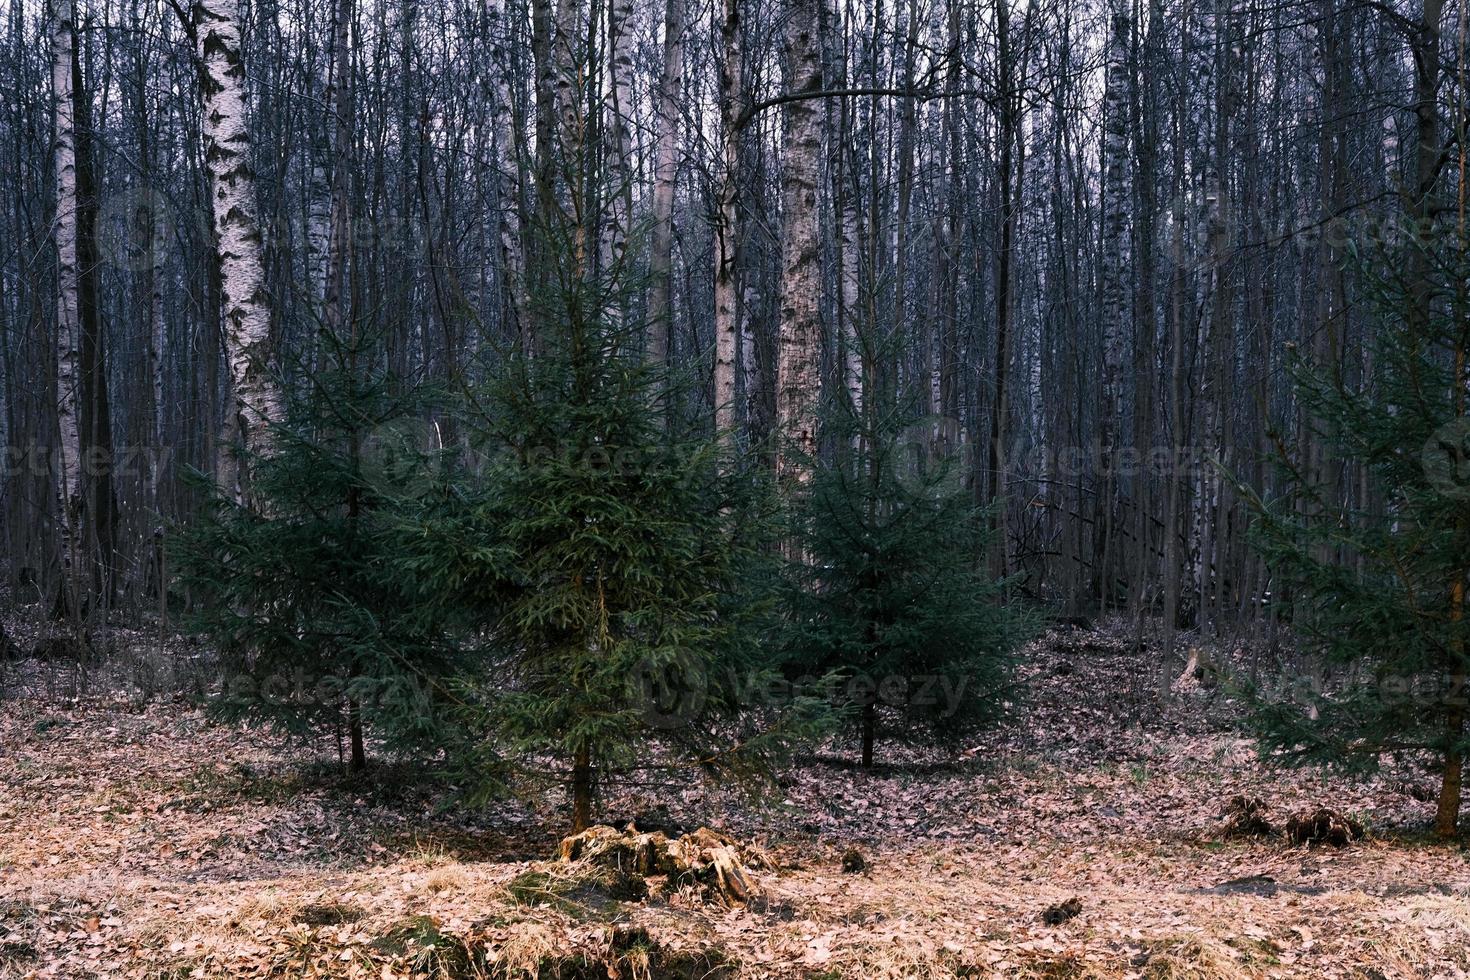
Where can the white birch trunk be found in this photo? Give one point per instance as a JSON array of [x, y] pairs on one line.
[[727, 232], [568, 84], [245, 315], [845, 193], [749, 382], [68, 301], [798, 376], [507, 170], [570, 87], [318, 230], [319, 199], [619, 116], [848, 291], [157, 354], [1116, 282], [1116, 229]]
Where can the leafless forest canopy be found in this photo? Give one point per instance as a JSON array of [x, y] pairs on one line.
[[1083, 237]]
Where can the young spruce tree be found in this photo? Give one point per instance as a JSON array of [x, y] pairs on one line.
[[609, 558], [1377, 591], [297, 589], [889, 593]]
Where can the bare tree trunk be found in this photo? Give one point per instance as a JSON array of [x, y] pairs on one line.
[[949, 222], [246, 316], [357, 758], [334, 310], [582, 790], [798, 373], [1427, 149], [1012, 169], [147, 221], [1174, 481], [1452, 776], [319, 224], [1221, 356], [727, 229], [319, 184], [99, 510], [907, 125], [842, 167], [620, 132], [569, 89], [848, 296], [1447, 815], [1144, 124], [665, 180], [510, 174], [68, 306], [1116, 287], [869, 732], [533, 246]]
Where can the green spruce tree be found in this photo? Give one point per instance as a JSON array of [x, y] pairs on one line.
[[608, 555], [1376, 592], [888, 591], [297, 587]]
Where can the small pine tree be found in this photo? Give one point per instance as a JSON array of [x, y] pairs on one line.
[[1377, 591], [607, 557], [297, 589], [888, 593]]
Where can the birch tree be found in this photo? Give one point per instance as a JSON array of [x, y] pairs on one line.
[[245, 314], [620, 110], [1115, 283], [665, 182], [798, 371], [68, 301], [727, 230]]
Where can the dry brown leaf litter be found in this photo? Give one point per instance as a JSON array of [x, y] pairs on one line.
[[137, 840]]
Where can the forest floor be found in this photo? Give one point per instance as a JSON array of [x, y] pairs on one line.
[[139, 840]]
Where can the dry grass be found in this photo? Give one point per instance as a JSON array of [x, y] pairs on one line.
[[1195, 958], [271, 908], [1427, 935], [898, 961], [447, 878], [129, 858], [522, 954]]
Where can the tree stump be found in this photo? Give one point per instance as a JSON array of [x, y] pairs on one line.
[[1246, 817], [1323, 826], [1199, 674], [1062, 912], [716, 862]]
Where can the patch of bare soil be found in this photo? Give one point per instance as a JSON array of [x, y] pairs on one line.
[[1088, 838]]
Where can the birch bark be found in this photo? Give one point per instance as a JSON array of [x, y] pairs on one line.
[[665, 181], [245, 314], [1116, 285], [68, 293], [619, 116], [798, 378], [727, 323]]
